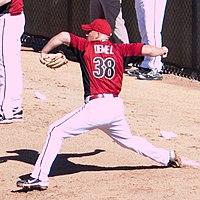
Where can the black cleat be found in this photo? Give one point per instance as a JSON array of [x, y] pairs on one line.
[[4, 120], [175, 161], [150, 76], [32, 183], [17, 113]]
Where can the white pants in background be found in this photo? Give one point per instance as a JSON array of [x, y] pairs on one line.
[[11, 84], [150, 15]]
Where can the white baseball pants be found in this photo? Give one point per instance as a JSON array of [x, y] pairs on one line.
[[150, 15], [106, 114], [11, 29]]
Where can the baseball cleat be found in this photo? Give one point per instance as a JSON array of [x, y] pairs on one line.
[[150, 76], [4, 120], [33, 183], [17, 114], [175, 161], [136, 71]]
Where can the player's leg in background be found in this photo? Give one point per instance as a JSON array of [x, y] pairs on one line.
[[120, 29], [150, 15], [145, 11], [113, 14], [2, 66], [18, 25], [96, 10], [139, 8], [160, 6], [9, 60]]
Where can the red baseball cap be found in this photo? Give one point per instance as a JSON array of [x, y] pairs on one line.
[[99, 25]]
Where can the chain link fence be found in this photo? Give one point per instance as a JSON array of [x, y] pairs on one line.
[[180, 33]]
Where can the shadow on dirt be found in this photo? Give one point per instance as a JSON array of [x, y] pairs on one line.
[[62, 165]]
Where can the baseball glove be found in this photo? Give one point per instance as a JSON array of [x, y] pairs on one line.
[[54, 60]]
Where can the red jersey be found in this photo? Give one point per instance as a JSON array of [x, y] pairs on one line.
[[102, 63], [15, 7]]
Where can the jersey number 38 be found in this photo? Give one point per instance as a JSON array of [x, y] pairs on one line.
[[104, 67]]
